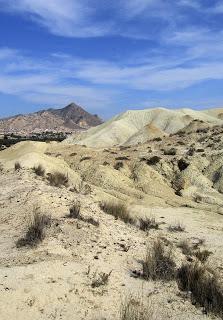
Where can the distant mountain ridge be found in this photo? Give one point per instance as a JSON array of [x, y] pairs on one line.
[[69, 119]]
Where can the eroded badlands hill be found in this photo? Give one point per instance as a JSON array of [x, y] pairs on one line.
[[135, 126]]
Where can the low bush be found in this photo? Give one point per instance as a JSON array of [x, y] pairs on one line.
[[118, 210], [202, 255], [57, 179], [100, 279], [36, 229], [170, 152], [39, 170], [206, 291], [17, 166], [153, 160], [85, 158], [75, 210], [118, 165], [134, 309], [148, 223], [185, 247], [159, 263], [177, 227]]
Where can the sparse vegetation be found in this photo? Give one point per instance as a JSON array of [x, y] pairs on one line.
[[85, 158], [177, 227], [118, 165], [170, 152], [159, 263], [148, 223], [75, 213], [185, 247], [75, 210], [134, 309], [36, 229], [182, 164], [153, 160], [39, 170], [122, 158], [100, 279], [17, 166], [118, 210], [202, 255], [206, 290], [57, 179]]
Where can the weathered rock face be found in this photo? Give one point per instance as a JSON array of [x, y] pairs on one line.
[[68, 119]]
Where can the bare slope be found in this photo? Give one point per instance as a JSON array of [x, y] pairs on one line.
[[132, 126]]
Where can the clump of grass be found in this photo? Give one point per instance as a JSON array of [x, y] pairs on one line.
[[177, 227], [185, 247], [75, 210], [170, 152], [202, 255], [148, 223], [39, 170], [118, 210], [118, 165], [35, 230], [92, 221], [17, 166], [75, 213], [135, 309], [153, 160], [57, 179], [85, 158], [100, 279], [206, 290], [122, 158], [159, 263]]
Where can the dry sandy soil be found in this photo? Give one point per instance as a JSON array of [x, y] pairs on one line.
[[55, 279]]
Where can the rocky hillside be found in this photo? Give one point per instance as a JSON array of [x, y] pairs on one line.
[[68, 119], [134, 126]]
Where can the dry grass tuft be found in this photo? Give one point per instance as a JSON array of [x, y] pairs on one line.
[[135, 309], [206, 290], [75, 210], [159, 263], [17, 166], [57, 179], [118, 165], [148, 223], [177, 227], [39, 170], [202, 255], [100, 279], [36, 229], [118, 210]]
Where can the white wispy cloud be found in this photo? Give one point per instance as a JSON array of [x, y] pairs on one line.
[[61, 78], [80, 18]]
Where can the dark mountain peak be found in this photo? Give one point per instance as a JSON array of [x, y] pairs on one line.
[[70, 118]]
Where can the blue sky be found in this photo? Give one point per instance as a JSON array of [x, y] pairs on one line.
[[109, 56]]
